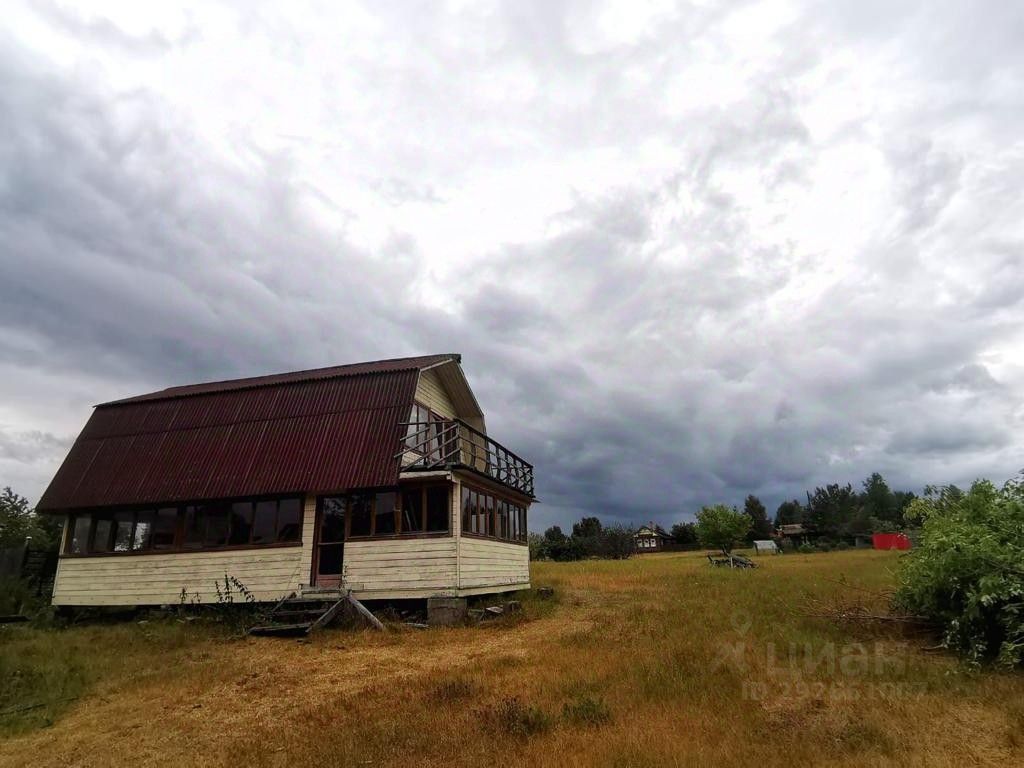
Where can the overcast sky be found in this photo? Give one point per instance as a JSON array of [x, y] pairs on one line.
[[688, 251]]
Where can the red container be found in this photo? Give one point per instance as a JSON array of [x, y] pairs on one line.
[[890, 541]]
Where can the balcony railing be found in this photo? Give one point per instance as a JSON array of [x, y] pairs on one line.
[[453, 443]]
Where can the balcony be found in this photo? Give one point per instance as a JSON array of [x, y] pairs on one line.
[[454, 444]]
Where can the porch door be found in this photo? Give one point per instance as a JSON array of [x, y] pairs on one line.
[[330, 541]]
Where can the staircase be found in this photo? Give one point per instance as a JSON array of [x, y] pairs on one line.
[[303, 613]]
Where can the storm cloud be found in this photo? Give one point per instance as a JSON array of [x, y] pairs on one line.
[[688, 252]]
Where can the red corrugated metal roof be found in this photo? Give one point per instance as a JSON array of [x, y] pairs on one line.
[[328, 429], [353, 369]]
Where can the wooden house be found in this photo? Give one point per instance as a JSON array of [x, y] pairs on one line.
[[377, 477], [649, 539]]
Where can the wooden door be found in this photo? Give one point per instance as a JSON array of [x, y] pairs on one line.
[[329, 555]]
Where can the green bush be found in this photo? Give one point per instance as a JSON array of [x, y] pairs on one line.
[[806, 549], [967, 572], [842, 545]]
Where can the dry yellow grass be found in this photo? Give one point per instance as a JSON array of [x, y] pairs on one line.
[[695, 666]]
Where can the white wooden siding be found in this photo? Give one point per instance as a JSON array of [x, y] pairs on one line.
[[488, 563], [433, 394], [158, 579]]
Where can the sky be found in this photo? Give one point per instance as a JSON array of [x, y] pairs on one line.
[[688, 251]]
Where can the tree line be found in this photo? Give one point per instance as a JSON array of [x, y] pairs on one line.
[[832, 511]]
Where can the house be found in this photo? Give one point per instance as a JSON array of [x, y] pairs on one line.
[[796, 533], [377, 477], [649, 538]]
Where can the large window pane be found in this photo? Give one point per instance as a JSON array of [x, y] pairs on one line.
[[218, 523], [143, 537], [165, 527], [289, 519], [264, 524], [467, 511], [362, 514], [79, 543], [332, 520], [123, 523], [437, 508], [489, 507], [195, 524], [101, 535], [384, 511], [474, 503], [412, 510], [241, 522]]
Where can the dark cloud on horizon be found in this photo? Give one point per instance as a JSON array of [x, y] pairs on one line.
[[737, 294]]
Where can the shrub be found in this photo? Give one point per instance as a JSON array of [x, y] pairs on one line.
[[967, 572], [586, 711], [514, 718], [806, 549], [842, 545]]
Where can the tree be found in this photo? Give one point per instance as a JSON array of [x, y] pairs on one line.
[[831, 509], [720, 527], [789, 513], [554, 535], [760, 528], [877, 500], [965, 573], [538, 546], [587, 527], [685, 534], [617, 542], [18, 521]]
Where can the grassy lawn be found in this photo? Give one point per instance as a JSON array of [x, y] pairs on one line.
[[660, 660]]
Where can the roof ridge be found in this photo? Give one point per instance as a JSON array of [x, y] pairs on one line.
[[368, 367]]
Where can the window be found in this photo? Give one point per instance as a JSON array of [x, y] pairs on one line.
[[485, 514], [467, 510], [332, 520], [437, 507], [142, 538], [218, 524], [289, 520], [241, 522], [79, 541], [165, 528], [101, 536], [361, 517], [209, 525], [124, 522], [384, 513], [412, 510], [264, 522]]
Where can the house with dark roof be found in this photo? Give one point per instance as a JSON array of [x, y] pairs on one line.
[[649, 538], [379, 478]]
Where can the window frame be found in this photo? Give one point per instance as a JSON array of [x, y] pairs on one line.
[[139, 511], [400, 492], [490, 513]]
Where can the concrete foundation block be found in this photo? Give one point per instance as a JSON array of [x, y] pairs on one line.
[[446, 611]]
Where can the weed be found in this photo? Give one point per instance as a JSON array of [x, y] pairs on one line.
[[455, 689], [513, 717], [587, 711]]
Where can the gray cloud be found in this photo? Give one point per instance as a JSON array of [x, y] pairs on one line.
[[687, 259]]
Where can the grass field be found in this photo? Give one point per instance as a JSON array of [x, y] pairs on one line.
[[659, 660]]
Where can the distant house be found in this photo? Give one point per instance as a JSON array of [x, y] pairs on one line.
[[649, 539], [377, 477], [797, 533]]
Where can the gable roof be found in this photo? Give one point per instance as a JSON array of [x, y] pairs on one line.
[[321, 430]]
